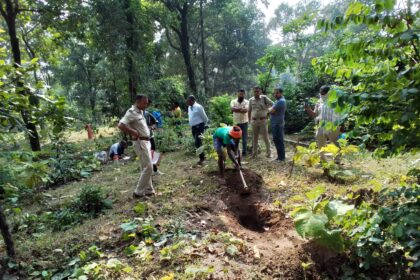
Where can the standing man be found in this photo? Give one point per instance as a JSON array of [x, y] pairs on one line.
[[198, 120], [277, 123], [257, 113], [134, 123], [324, 114], [152, 124], [239, 109]]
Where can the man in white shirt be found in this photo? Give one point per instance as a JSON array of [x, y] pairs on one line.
[[239, 109], [134, 123], [198, 120], [323, 115]]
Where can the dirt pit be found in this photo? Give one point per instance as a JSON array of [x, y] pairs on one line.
[[247, 205]]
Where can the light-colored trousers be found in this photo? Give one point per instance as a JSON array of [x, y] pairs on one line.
[[260, 127], [323, 136], [144, 185]]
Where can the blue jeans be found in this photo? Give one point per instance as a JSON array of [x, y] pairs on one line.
[[278, 138], [244, 128]]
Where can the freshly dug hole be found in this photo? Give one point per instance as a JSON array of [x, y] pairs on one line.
[[246, 205]]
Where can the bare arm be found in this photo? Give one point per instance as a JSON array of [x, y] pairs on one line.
[[124, 128], [310, 112], [231, 153]]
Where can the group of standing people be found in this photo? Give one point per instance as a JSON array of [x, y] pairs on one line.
[[254, 112]]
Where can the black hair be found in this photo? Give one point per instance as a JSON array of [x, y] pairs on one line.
[[241, 90], [191, 97], [256, 87], [279, 90], [176, 103], [324, 89], [140, 97]]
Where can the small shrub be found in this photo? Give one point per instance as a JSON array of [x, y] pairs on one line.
[[91, 200], [220, 111]]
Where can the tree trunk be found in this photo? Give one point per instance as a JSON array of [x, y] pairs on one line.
[[4, 228], [131, 45], [9, 14], [185, 47], [203, 53]]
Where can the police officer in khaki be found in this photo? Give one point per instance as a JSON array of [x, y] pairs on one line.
[[134, 123], [257, 113]]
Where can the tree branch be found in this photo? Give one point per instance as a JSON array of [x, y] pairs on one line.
[[171, 43]]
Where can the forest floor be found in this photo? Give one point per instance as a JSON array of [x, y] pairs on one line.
[[195, 228]]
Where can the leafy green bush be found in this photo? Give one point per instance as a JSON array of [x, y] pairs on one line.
[[91, 200], [220, 111], [327, 157], [314, 219], [379, 233]]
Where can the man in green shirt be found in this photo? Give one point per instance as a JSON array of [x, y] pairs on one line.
[[228, 137]]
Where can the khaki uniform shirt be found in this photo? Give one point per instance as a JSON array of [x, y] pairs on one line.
[[259, 107], [135, 119], [240, 118]]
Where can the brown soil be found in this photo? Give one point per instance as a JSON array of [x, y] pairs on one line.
[[272, 241]]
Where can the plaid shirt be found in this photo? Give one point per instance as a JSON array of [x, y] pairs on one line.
[[325, 114]]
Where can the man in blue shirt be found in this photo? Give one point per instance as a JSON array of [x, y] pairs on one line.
[[198, 120], [117, 150], [277, 112]]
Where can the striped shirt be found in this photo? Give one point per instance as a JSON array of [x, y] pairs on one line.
[[326, 114]]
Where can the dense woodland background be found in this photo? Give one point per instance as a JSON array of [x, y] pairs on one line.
[[65, 64]]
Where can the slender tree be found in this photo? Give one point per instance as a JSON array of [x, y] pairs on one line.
[[9, 10]]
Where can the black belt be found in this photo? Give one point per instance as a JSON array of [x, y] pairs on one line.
[[144, 138], [197, 125]]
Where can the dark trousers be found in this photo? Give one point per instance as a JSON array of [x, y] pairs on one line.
[[278, 138], [244, 128], [197, 130]]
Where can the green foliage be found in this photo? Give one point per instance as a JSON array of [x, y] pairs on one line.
[[91, 200], [314, 219], [386, 232], [327, 157], [220, 112], [379, 234], [379, 81], [207, 146], [89, 203]]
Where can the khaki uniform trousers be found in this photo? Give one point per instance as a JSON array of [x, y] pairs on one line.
[[260, 127], [144, 185]]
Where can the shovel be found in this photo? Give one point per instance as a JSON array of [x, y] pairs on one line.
[[243, 179]]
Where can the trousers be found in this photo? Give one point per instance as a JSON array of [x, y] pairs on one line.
[[144, 185], [260, 127], [278, 138], [197, 131], [244, 128]]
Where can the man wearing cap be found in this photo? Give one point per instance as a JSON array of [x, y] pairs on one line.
[[228, 137], [277, 113], [239, 109], [134, 123], [198, 120], [257, 113]]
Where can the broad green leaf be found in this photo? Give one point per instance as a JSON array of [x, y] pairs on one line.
[[309, 224], [336, 208], [127, 227], [315, 192]]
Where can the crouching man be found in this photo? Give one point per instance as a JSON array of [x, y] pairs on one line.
[[228, 137]]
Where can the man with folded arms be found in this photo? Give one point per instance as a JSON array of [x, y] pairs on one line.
[[134, 123], [258, 111]]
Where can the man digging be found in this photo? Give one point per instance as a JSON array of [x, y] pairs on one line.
[[228, 137]]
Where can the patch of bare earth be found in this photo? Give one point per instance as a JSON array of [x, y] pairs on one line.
[[274, 250]]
